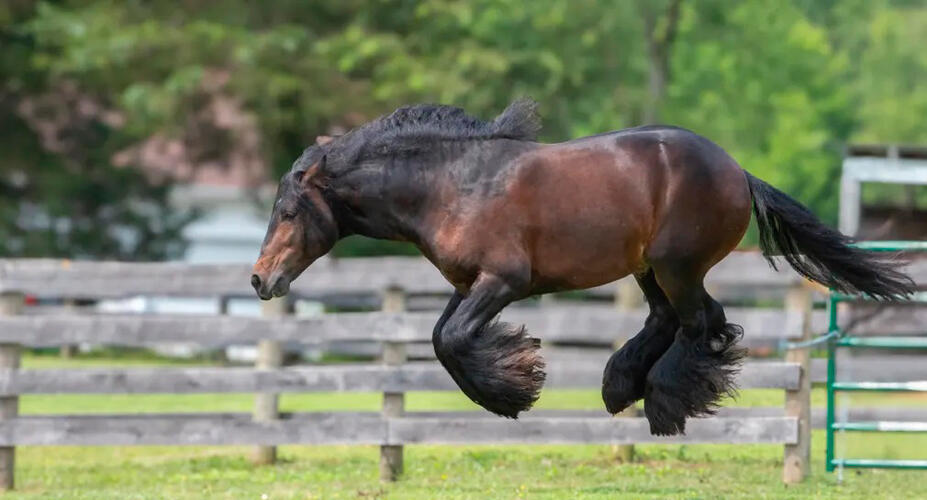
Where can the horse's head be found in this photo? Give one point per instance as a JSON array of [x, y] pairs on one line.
[[302, 226]]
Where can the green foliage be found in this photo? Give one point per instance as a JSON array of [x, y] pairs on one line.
[[60, 193], [769, 92], [892, 81], [782, 85]]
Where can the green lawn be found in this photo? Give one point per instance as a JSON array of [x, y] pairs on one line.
[[455, 472]]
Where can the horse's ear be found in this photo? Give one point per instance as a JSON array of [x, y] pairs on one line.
[[323, 139], [315, 174]]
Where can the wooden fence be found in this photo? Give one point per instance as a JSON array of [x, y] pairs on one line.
[[394, 279]]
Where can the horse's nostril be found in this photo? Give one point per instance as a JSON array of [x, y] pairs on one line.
[[255, 281]]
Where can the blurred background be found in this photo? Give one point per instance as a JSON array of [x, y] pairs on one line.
[[156, 130]]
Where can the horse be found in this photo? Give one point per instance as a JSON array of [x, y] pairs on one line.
[[504, 217]]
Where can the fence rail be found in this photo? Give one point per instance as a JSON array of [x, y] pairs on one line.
[[351, 377], [594, 325], [371, 428], [95, 280], [82, 279], [601, 325]]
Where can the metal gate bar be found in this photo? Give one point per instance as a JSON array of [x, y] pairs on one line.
[[839, 339]]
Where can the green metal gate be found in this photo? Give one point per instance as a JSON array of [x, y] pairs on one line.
[[838, 339]]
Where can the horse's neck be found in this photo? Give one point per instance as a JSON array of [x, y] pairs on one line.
[[391, 201], [377, 207]]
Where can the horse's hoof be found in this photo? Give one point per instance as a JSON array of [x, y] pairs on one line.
[[663, 413], [616, 400], [689, 381], [622, 383]]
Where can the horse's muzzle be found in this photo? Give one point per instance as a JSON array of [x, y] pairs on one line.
[[276, 286]]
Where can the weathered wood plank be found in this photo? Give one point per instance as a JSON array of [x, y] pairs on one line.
[[591, 324], [818, 415], [354, 377], [191, 429], [588, 430], [884, 368], [355, 428], [139, 329], [84, 279], [583, 324], [538, 426], [884, 319]]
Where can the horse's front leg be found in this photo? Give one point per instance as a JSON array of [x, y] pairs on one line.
[[495, 364]]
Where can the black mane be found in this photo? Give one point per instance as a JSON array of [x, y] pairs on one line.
[[418, 127], [519, 121]]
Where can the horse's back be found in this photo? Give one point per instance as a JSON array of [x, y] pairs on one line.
[[705, 203], [598, 208]]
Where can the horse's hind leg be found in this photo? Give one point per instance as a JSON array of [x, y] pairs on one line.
[[626, 372], [699, 367]]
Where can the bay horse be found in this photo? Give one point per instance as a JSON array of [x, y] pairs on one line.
[[504, 217]]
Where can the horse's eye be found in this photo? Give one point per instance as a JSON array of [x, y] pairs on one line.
[[288, 215]]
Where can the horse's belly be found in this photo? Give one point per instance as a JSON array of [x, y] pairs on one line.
[[597, 254]]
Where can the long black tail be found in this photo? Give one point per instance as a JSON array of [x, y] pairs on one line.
[[818, 252]]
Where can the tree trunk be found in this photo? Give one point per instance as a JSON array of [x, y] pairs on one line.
[[660, 34]]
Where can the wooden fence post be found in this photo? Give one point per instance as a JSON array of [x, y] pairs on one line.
[[223, 306], [67, 351], [10, 304], [223, 310], [628, 297], [797, 457], [394, 354], [269, 357]]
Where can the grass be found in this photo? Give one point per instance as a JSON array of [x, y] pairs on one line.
[[452, 472]]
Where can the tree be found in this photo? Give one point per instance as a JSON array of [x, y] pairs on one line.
[[782, 85], [891, 82], [60, 195], [766, 83], [660, 33]]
